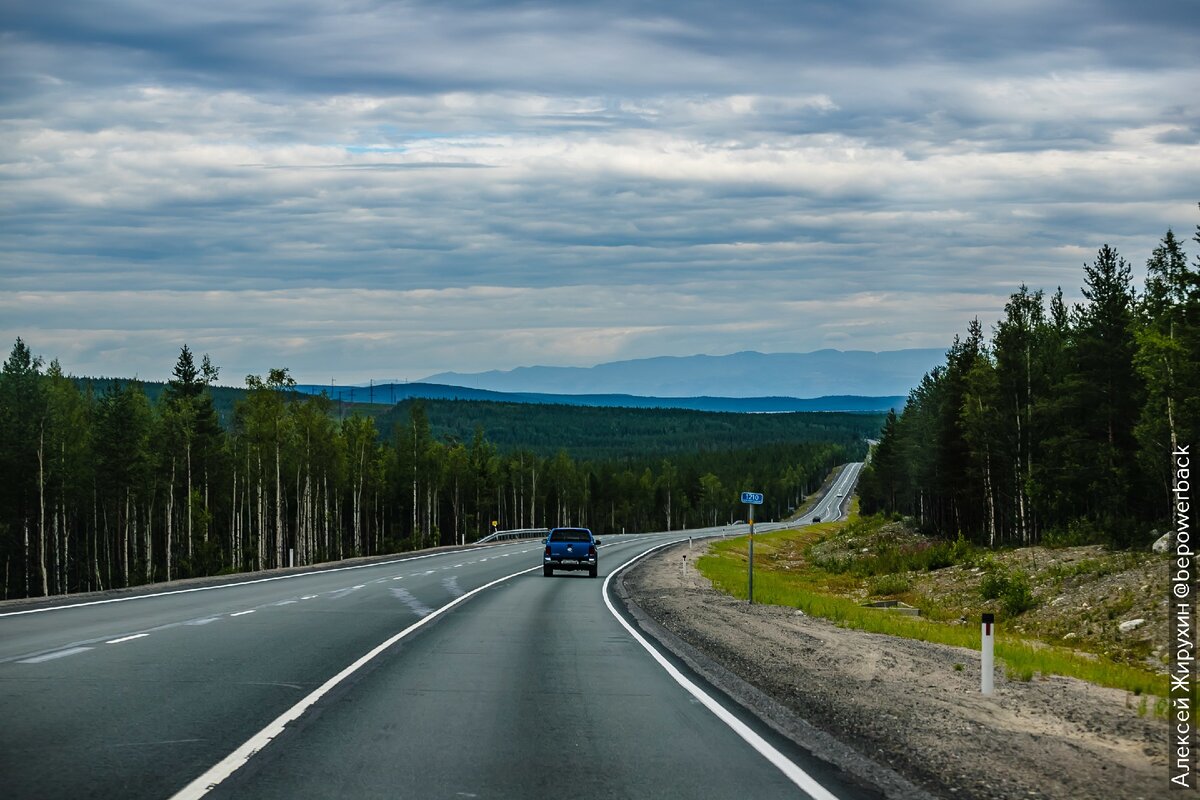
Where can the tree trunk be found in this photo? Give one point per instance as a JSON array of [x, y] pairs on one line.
[[170, 518], [42, 508], [279, 545], [189, 496]]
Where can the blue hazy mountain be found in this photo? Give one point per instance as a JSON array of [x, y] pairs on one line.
[[396, 392], [746, 374]]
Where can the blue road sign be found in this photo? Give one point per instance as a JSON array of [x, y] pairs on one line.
[[753, 498]]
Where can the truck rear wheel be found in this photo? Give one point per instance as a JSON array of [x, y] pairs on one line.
[[547, 572]]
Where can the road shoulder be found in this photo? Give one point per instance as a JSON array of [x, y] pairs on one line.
[[895, 712]]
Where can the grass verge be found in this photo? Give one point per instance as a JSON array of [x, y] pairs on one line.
[[813, 591]]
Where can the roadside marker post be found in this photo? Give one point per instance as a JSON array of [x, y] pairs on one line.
[[988, 639], [751, 499]]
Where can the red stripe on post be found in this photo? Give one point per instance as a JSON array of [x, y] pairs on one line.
[[987, 628]]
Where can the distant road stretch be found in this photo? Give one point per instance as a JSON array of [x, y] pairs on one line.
[[455, 674], [835, 503]]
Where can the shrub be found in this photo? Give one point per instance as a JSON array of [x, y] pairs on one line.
[[1017, 597], [994, 584], [890, 584]]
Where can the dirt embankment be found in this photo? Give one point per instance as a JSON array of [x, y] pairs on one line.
[[912, 706]]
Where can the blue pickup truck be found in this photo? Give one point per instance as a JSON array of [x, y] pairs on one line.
[[570, 548]]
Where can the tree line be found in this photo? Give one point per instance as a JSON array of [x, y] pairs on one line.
[[104, 489], [1060, 428]]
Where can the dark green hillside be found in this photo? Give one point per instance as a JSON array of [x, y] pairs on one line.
[[604, 433], [224, 397]]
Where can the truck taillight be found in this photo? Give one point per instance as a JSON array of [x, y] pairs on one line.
[[547, 549], [591, 549]]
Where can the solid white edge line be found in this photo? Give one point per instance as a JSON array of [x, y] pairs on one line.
[[239, 583], [232, 762], [802, 779]]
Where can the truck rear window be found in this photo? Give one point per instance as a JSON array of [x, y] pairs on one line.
[[569, 535]]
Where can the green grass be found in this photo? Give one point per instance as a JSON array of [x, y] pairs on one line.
[[725, 566]]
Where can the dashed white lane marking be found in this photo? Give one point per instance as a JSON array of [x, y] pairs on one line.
[[127, 638], [70, 651], [398, 577], [361, 585], [241, 613], [308, 597], [456, 566], [232, 585], [228, 765], [284, 602]]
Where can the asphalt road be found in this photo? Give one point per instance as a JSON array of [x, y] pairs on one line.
[[528, 687], [833, 505]]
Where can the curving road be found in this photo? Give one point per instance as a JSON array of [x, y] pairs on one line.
[[463, 674], [834, 503]]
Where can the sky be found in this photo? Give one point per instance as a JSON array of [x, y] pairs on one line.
[[384, 190]]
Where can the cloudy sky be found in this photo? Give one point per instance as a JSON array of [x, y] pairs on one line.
[[371, 189]]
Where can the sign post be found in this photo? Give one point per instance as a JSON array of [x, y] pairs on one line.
[[751, 499]]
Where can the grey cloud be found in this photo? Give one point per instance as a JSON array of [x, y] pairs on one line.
[[774, 158]]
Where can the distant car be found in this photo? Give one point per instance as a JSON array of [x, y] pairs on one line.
[[570, 549], [816, 519], [841, 494]]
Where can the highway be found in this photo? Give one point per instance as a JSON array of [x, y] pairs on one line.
[[834, 503], [452, 674]]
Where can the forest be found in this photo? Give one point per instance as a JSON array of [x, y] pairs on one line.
[[116, 486], [1059, 427]]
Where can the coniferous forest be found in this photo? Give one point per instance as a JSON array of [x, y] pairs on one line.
[[1059, 428], [115, 486]]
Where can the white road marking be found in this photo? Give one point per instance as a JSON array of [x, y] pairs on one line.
[[238, 583], [784, 764], [241, 613], [309, 597], [456, 566], [398, 577], [204, 621], [361, 585], [284, 603], [127, 638], [230, 764], [70, 651]]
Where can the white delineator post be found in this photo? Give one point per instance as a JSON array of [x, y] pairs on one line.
[[988, 642]]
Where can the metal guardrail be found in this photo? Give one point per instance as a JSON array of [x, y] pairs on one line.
[[516, 533]]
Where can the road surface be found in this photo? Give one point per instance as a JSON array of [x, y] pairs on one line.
[[834, 504], [513, 685]]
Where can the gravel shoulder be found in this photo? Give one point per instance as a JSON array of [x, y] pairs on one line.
[[896, 711]]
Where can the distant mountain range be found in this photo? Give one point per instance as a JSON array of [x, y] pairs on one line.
[[396, 392], [748, 374]]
